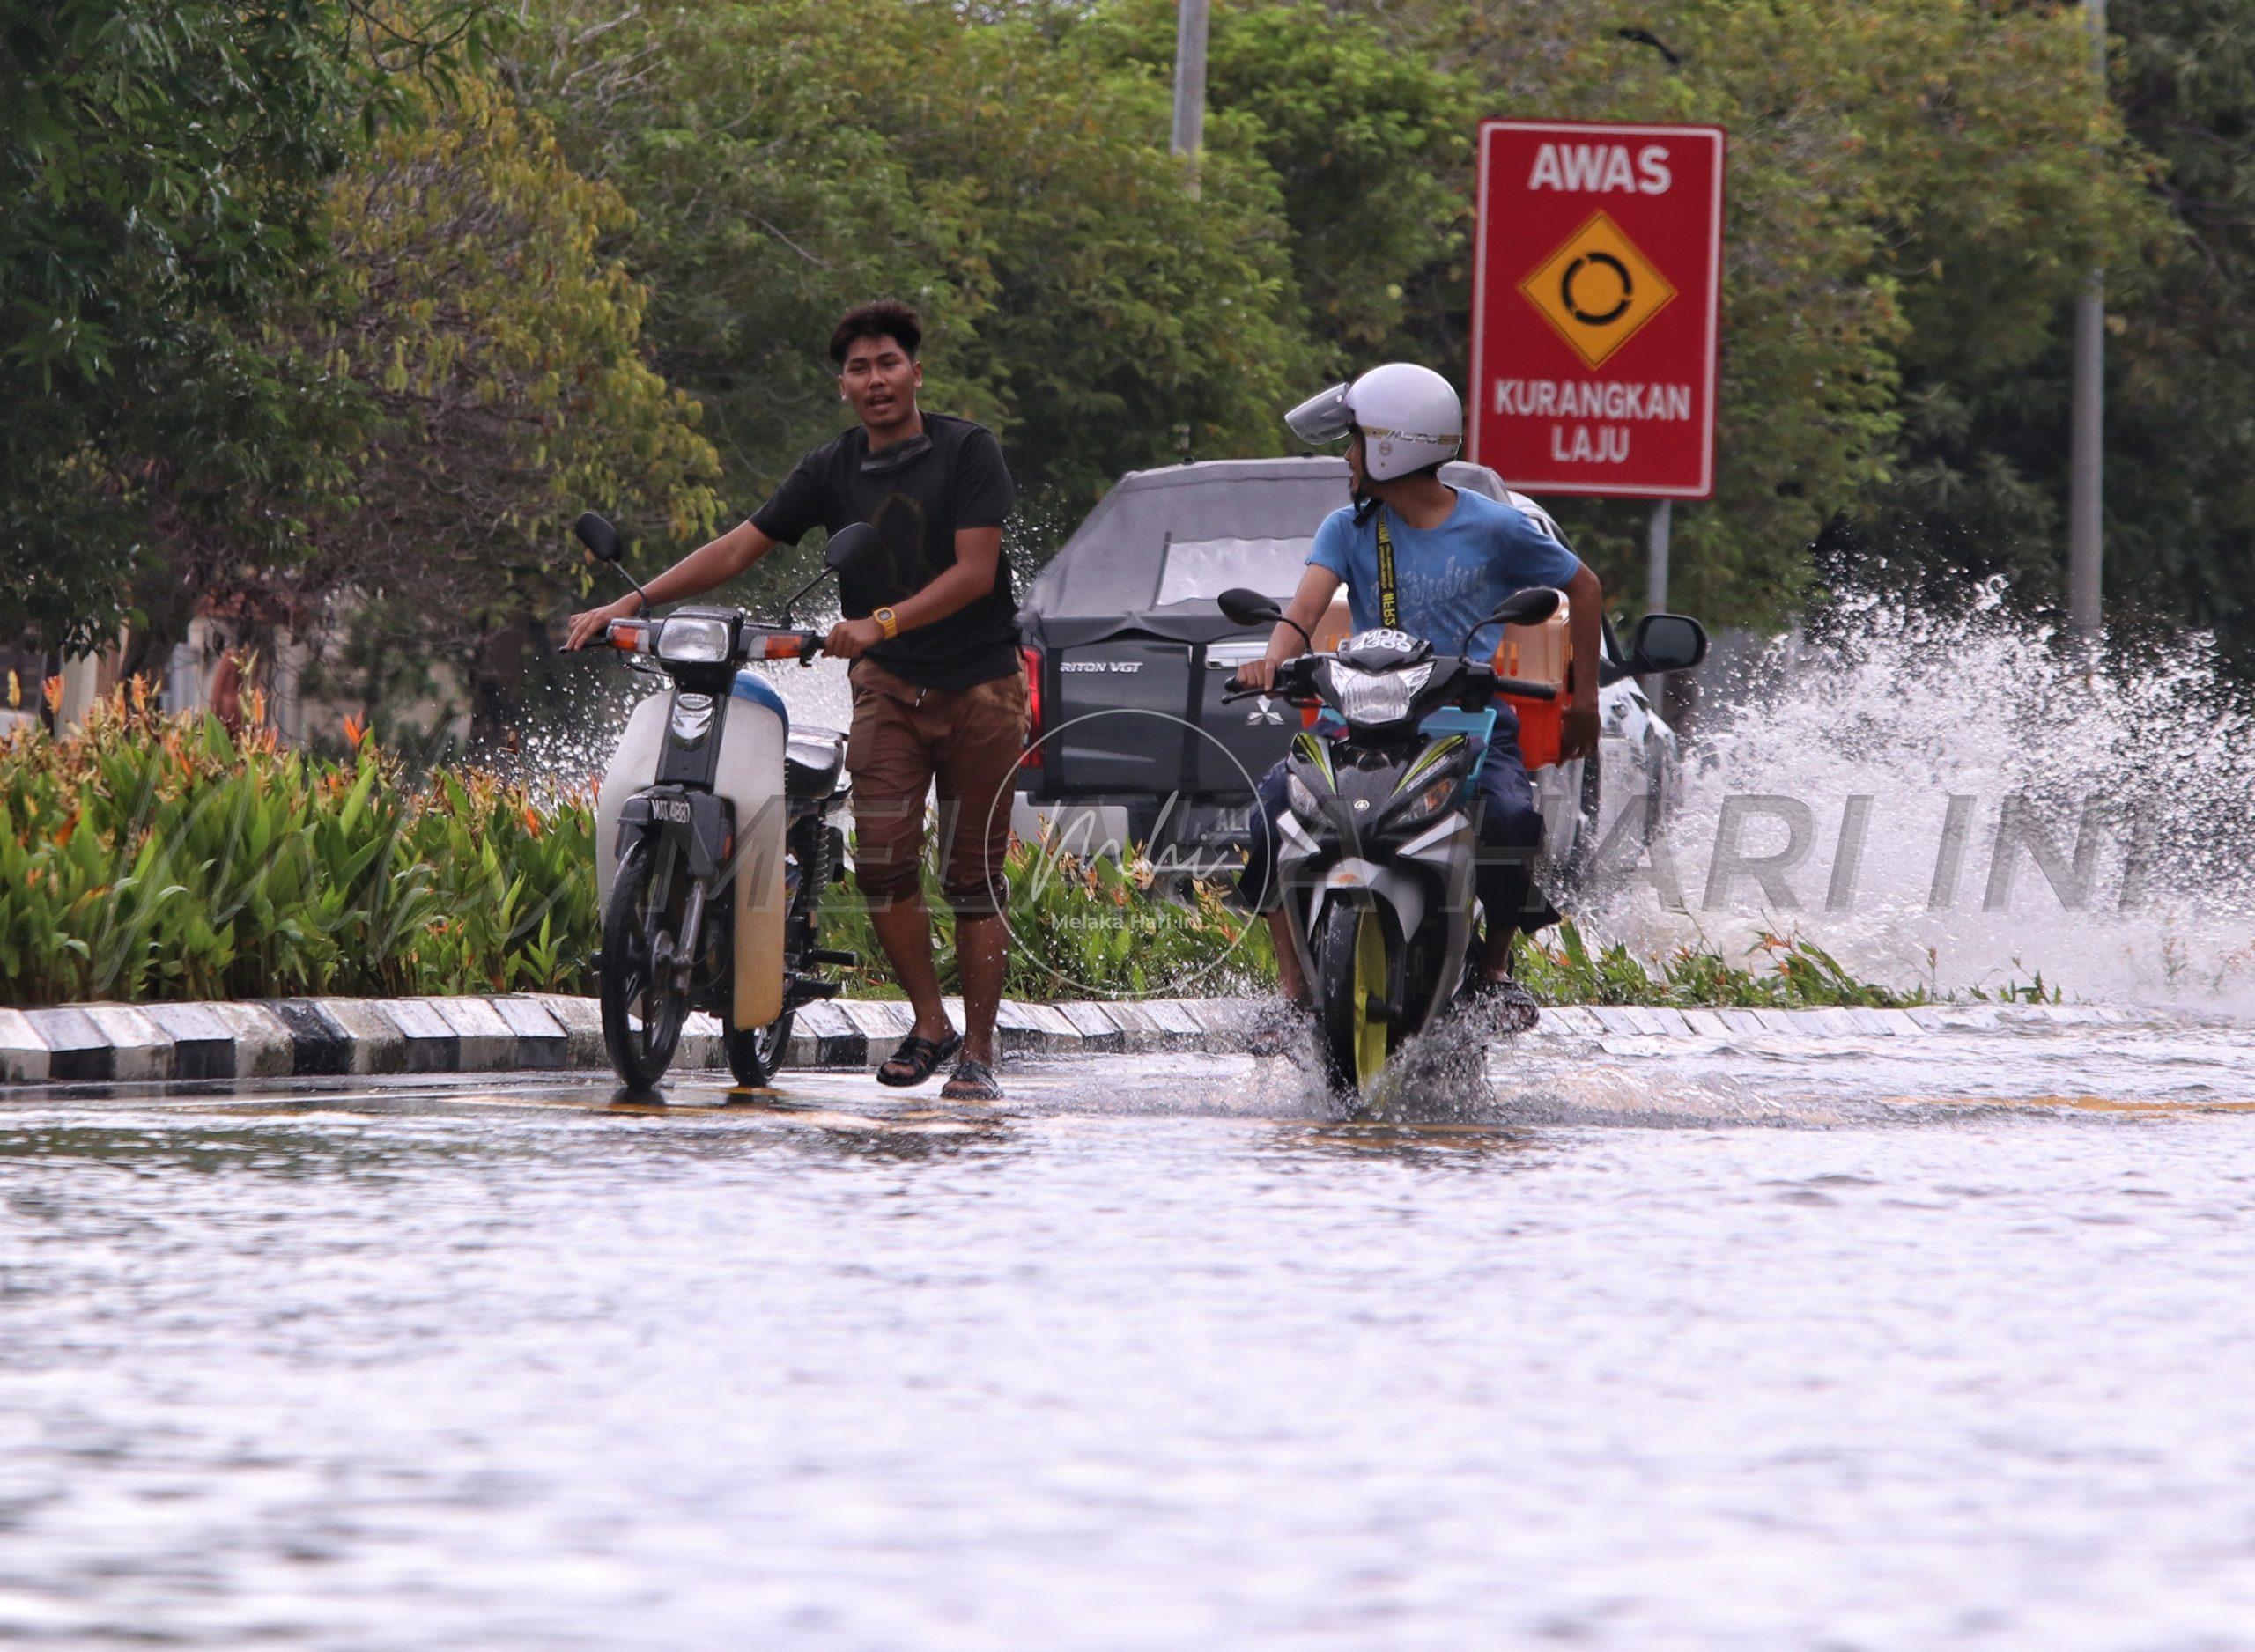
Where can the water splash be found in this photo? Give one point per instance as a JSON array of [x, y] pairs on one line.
[[2023, 809]]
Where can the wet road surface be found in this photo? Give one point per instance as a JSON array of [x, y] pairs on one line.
[[1895, 1342]]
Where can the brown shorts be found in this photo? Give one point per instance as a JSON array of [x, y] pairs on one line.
[[906, 738]]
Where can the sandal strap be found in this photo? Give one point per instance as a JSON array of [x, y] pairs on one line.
[[920, 1055], [977, 1075]]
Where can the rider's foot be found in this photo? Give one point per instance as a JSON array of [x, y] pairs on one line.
[[1281, 1028], [917, 1058], [1506, 1003], [971, 1081]]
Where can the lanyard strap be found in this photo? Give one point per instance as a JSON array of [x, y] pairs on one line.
[[1389, 609]]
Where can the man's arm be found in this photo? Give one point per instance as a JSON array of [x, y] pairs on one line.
[[977, 550], [703, 569], [1306, 607], [1586, 600]]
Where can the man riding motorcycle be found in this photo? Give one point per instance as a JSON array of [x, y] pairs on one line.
[[1421, 556]]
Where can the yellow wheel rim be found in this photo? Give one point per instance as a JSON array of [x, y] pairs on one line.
[[1370, 982]]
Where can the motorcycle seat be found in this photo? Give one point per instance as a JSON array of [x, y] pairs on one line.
[[811, 759]]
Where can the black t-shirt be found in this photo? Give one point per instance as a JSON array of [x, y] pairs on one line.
[[916, 500]]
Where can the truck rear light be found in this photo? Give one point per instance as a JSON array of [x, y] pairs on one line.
[[1032, 658]]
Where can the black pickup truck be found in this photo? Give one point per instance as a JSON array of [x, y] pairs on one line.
[[1127, 657]]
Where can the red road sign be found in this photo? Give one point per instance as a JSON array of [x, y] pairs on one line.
[[1595, 296]]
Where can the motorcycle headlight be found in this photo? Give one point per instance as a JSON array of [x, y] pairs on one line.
[[1302, 798], [693, 641], [1377, 697]]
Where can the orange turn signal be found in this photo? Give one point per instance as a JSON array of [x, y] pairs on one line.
[[784, 646]]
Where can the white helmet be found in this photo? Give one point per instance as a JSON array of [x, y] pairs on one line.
[[1410, 414]]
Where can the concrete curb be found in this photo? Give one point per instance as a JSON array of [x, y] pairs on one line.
[[536, 1031]]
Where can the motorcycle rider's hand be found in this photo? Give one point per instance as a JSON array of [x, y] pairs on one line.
[[850, 639], [1256, 674], [590, 627], [1577, 738]]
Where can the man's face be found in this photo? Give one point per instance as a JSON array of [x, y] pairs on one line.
[[879, 381], [1355, 462]]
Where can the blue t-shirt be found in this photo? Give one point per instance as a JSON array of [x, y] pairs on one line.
[[1448, 578]]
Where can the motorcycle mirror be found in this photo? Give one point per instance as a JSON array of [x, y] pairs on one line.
[[1530, 606], [1248, 608], [1666, 642], [850, 547], [599, 536]]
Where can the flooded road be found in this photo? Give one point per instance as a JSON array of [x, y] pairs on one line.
[[1860, 1344]]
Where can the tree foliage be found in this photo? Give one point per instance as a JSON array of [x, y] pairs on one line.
[[162, 167], [501, 354], [1014, 185], [303, 300]]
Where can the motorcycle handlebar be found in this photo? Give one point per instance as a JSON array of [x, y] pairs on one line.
[[804, 646], [1526, 690]]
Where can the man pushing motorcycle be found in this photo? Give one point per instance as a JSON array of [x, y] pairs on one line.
[[1418, 556], [939, 694]]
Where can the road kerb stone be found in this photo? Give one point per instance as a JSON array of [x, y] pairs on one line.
[[431, 1042], [203, 1044], [115, 1042], [484, 1042], [77, 1050], [23, 1052], [1098, 1033], [542, 1043], [581, 1019]]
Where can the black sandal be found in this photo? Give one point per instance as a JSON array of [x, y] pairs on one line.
[[971, 1081], [922, 1057]]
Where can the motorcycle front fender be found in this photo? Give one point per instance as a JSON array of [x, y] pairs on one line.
[[1357, 879]]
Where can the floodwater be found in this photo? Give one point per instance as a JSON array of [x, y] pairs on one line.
[[1902, 1343]]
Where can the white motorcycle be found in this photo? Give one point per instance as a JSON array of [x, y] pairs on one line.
[[715, 838]]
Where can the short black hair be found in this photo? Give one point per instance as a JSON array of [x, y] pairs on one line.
[[880, 318]]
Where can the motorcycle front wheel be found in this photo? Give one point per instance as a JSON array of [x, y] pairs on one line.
[[1353, 962], [643, 1005]]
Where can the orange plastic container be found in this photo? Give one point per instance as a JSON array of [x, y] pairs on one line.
[[1538, 654]]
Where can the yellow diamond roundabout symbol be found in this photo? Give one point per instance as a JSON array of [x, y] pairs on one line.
[[1597, 289]]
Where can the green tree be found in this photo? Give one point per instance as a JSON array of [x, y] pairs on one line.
[[1985, 494], [1012, 185], [162, 166], [1370, 145], [500, 353]]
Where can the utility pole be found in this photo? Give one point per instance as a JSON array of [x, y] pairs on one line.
[[2087, 450], [1190, 83]]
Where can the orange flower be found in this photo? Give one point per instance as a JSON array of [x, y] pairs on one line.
[[531, 820], [356, 730], [140, 692], [52, 689]]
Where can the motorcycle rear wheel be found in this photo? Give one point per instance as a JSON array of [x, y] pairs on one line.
[[1354, 958], [649, 900]]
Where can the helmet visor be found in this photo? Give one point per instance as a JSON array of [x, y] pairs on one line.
[[1323, 418]]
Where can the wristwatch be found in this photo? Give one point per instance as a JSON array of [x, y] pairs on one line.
[[888, 622]]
